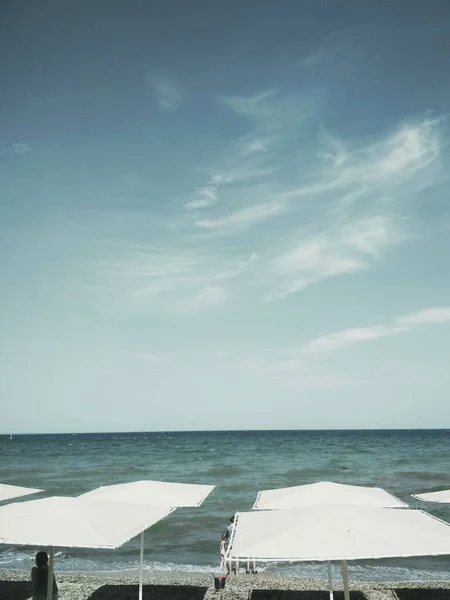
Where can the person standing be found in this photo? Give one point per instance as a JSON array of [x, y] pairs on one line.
[[229, 528], [227, 534], [253, 570], [223, 549], [39, 578]]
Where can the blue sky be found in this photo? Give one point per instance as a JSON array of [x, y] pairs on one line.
[[224, 215]]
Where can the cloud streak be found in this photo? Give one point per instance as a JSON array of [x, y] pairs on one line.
[[336, 211], [15, 149], [245, 217], [208, 195], [210, 295], [298, 367], [203, 198], [402, 324], [339, 250], [171, 276], [425, 317], [168, 93], [265, 224]]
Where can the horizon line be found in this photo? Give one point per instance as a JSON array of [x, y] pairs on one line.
[[130, 432]]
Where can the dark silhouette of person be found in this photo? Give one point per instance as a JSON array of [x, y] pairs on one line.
[[39, 578]]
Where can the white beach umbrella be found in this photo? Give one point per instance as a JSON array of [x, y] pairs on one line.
[[74, 523], [323, 493], [325, 533], [443, 496], [7, 492], [152, 493]]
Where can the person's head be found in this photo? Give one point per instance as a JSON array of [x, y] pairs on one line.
[[224, 536], [41, 558], [231, 519]]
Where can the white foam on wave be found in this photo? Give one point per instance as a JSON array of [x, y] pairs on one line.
[[357, 572], [17, 558], [184, 568]]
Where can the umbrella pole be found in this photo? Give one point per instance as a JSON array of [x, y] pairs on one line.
[[51, 563], [330, 581], [345, 578], [141, 566]]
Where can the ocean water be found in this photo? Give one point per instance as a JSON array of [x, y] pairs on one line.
[[238, 463]]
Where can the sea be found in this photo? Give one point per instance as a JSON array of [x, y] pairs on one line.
[[239, 464]]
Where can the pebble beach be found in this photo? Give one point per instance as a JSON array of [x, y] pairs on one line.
[[163, 585]]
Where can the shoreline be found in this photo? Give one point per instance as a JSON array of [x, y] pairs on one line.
[[178, 585]]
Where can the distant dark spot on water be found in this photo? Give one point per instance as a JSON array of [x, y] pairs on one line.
[[301, 474]]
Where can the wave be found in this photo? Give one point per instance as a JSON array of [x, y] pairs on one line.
[[358, 572], [225, 471], [441, 476], [313, 475]]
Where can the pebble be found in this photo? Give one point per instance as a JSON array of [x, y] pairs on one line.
[[84, 586]]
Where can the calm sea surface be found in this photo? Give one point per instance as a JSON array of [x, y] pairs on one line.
[[238, 464]]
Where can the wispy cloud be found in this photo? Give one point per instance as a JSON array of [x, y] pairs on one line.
[[279, 219], [275, 118], [250, 144], [338, 250], [407, 151], [245, 217], [171, 275], [14, 149], [334, 208], [203, 198], [349, 337], [208, 194], [257, 106], [425, 317], [168, 93], [298, 367], [210, 295]]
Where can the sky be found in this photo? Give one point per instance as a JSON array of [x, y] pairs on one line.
[[220, 214]]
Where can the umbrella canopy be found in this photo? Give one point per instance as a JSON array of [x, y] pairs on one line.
[[75, 523], [443, 496], [326, 493], [323, 533], [15, 491], [153, 493]]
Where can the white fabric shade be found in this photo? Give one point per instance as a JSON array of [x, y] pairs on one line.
[[75, 522], [151, 493], [324, 533], [154, 493], [15, 491], [326, 493], [443, 496]]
